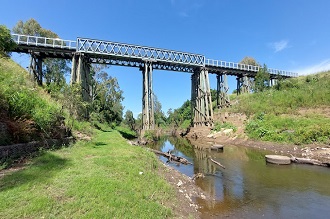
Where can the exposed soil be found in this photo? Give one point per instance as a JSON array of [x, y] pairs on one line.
[[201, 138], [186, 193]]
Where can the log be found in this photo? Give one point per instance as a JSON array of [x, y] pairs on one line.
[[217, 147], [300, 160], [171, 157], [217, 163]]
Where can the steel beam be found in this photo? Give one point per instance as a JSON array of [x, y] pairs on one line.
[[135, 52]]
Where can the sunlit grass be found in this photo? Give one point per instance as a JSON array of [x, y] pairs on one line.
[[104, 178]]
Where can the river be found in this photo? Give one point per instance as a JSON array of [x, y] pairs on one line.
[[250, 188]]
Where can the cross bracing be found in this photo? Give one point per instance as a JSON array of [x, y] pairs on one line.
[[122, 50], [116, 53]]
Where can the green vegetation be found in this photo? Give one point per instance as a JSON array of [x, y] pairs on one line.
[[6, 43], [27, 111], [226, 125], [277, 114], [103, 178]]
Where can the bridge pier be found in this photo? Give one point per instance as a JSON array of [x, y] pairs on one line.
[[222, 91], [243, 84], [80, 73], [35, 67], [148, 122], [201, 102]]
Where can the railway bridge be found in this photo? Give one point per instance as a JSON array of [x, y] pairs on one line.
[[83, 52]]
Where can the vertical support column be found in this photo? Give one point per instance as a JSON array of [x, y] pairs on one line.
[[80, 73], [148, 122], [75, 59], [239, 85], [35, 68], [201, 102], [223, 99], [245, 84]]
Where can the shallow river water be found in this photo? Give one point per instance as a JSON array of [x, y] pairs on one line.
[[250, 188]]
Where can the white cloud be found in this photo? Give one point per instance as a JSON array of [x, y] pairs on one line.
[[280, 45], [319, 67]]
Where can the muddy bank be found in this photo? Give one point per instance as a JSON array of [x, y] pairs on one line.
[[202, 139]]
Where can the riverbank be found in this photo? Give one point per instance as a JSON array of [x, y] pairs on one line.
[[103, 177], [203, 139]]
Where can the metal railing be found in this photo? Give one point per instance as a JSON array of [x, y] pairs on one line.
[[230, 65], [44, 41], [138, 52]]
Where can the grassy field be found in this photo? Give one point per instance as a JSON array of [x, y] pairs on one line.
[[294, 111], [103, 178]]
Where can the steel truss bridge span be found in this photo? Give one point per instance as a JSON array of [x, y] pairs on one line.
[[84, 51], [116, 53]]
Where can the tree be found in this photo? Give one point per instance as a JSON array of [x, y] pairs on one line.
[[160, 119], [129, 120], [249, 61], [106, 97], [54, 69], [262, 79], [6, 42]]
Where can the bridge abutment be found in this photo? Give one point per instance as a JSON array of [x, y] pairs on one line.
[[148, 122], [201, 102]]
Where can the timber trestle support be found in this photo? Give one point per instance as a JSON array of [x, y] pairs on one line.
[[80, 73], [35, 67], [148, 120], [223, 99], [201, 102]]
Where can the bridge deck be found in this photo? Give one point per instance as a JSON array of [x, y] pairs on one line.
[[116, 53]]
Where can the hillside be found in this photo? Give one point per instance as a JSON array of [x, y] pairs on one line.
[[26, 111], [295, 111]]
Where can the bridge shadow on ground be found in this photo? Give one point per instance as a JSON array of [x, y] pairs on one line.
[[126, 135], [41, 170]]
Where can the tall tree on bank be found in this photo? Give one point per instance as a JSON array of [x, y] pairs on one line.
[[262, 79], [106, 97], [6, 42], [54, 70], [249, 61]]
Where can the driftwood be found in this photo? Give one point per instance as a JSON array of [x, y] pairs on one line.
[[217, 163], [217, 147], [171, 157], [307, 161]]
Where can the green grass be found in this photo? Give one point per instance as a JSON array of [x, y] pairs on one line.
[[23, 101], [273, 113], [290, 129], [97, 179]]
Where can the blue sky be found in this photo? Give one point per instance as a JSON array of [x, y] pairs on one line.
[[291, 35]]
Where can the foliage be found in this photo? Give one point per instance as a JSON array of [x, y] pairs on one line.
[[28, 106], [274, 114], [262, 79], [297, 129], [226, 125], [106, 98], [54, 70], [6, 42], [249, 61], [180, 115], [129, 120], [96, 179]]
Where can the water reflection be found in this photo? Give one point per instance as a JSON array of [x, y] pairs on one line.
[[248, 187]]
